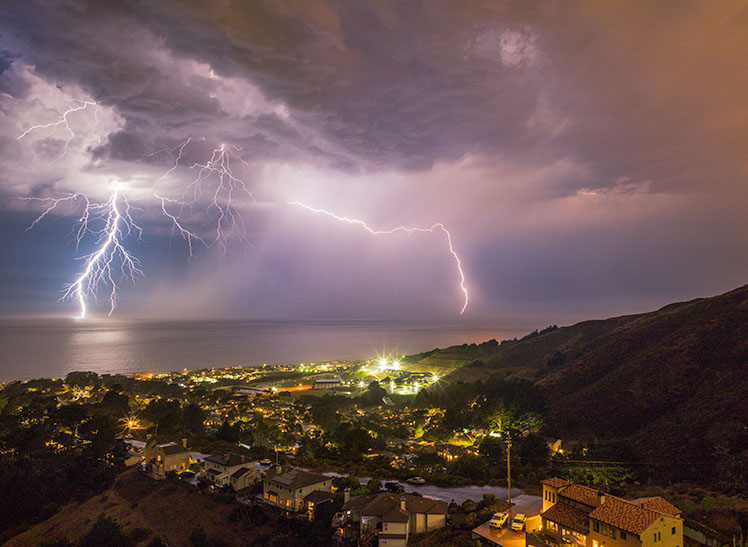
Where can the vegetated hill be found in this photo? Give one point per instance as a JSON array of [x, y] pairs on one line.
[[444, 361], [675, 381]]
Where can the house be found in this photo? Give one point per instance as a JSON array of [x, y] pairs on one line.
[[230, 469], [584, 516], [390, 518], [291, 490], [244, 477], [163, 458]]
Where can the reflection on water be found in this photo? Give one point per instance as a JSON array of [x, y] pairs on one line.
[[43, 348]]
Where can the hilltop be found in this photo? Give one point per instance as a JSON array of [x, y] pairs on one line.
[[672, 381]]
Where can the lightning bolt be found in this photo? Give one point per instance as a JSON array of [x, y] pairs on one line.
[[215, 178], [64, 121], [409, 230], [110, 255]]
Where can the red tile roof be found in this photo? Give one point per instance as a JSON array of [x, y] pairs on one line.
[[661, 505], [567, 516], [555, 482], [579, 493], [625, 515]]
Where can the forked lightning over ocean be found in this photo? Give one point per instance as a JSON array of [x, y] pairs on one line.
[[110, 255], [205, 212], [406, 229]]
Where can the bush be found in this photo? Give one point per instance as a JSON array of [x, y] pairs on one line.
[[105, 531]]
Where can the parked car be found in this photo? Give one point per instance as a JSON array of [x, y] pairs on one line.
[[519, 522], [393, 487], [266, 461], [498, 520], [417, 480]]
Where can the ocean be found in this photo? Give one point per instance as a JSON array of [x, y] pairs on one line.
[[37, 348]]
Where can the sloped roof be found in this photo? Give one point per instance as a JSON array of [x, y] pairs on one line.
[[567, 516], [396, 515], [297, 478], [625, 515], [382, 503], [317, 496], [227, 460], [661, 505], [579, 493], [556, 482], [173, 449], [239, 472]]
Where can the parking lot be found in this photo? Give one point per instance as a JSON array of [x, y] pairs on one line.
[[505, 536]]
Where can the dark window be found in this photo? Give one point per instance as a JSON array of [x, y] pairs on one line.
[[673, 530], [596, 526], [623, 535]]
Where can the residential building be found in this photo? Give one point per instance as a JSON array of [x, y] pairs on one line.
[[221, 468], [163, 458], [579, 515], [244, 477], [289, 489], [388, 517]]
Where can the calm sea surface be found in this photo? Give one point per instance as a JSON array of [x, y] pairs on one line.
[[52, 348]]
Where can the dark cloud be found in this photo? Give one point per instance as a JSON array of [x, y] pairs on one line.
[[569, 146]]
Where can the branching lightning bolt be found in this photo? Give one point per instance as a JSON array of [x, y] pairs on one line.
[[64, 121], [110, 254], [409, 230], [216, 179]]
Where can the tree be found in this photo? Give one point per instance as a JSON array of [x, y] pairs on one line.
[[193, 417], [105, 531]]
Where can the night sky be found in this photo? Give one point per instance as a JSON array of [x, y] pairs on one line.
[[588, 158]]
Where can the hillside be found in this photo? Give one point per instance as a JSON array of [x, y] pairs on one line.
[[166, 510], [673, 381]]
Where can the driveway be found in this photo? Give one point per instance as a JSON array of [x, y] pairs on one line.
[[503, 536]]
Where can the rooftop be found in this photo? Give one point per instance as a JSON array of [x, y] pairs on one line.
[[579, 493], [227, 460], [381, 504], [297, 478], [625, 515], [568, 516], [555, 482]]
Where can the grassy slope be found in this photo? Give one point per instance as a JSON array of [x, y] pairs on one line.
[[670, 379], [167, 509]]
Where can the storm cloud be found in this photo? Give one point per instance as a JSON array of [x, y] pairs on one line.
[[589, 159]]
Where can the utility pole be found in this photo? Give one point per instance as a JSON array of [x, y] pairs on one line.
[[509, 469]]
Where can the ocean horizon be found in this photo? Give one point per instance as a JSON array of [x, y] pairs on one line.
[[51, 348]]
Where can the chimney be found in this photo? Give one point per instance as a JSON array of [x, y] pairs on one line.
[[600, 497], [346, 495], [244, 458], [184, 444], [402, 503]]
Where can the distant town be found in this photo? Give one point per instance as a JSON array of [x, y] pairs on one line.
[[363, 453]]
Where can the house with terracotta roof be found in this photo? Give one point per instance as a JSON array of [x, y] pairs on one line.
[[293, 490], [388, 518], [574, 514]]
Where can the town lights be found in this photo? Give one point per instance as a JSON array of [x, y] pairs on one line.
[[361, 384], [396, 364], [383, 363]]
